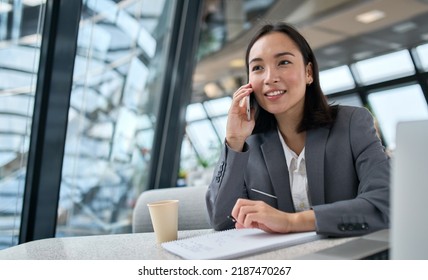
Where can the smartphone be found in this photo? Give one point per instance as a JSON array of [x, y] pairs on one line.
[[247, 100]]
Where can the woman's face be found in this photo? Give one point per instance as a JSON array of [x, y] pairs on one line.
[[278, 74]]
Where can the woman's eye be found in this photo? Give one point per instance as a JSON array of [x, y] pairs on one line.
[[256, 67], [284, 62]]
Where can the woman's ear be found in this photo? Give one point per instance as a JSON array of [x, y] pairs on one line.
[[309, 73]]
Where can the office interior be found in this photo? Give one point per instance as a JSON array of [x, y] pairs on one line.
[[101, 100]]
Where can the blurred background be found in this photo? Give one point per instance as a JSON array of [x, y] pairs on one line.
[[146, 95]]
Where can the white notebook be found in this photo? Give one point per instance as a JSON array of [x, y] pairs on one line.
[[234, 243]]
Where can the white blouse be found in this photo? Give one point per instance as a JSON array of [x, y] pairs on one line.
[[298, 178]]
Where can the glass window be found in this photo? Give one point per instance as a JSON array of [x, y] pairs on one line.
[[195, 111], [398, 104], [114, 103], [194, 170], [188, 159], [349, 99], [218, 107], [204, 135], [220, 126], [385, 67], [422, 52], [336, 79], [204, 140], [19, 60]]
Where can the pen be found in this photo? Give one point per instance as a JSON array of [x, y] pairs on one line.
[[231, 218]]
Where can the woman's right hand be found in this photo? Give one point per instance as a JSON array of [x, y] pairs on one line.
[[238, 127]]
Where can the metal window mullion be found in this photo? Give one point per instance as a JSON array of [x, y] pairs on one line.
[[419, 76], [176, 95], [50, 117]]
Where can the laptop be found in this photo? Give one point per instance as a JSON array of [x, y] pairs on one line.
[[368, 247], [407, 237], [409, 192]]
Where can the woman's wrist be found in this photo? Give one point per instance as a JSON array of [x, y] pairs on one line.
[[303, 221], [235, 144]]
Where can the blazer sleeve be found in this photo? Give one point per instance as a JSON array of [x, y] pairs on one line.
[[369, 210], [226, 187]]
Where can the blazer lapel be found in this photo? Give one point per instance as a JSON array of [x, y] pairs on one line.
[[314, 154], [278, 171]]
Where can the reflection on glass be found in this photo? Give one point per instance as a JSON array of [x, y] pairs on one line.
[[19, 59], [385, 67], [398, 104], [336, 79], [120, 61]]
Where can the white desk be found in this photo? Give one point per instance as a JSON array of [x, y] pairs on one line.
[[137, 246]]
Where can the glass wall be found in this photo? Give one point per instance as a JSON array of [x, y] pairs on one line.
[[19, 61], [422, 55], [205, 133], [390, 106], [383, 68], [336, 79], [390, 102], [114, 103]]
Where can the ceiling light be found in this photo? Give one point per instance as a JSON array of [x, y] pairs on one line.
[[212, 90], [237, 63], [371, 16], [198, 77], [229, 84]]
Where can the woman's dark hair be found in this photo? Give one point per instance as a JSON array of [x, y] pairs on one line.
[[317, 112]]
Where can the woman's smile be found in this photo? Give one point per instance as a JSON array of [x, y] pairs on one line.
[[275, 93]]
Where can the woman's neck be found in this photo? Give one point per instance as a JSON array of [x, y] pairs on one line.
[[288, 128], [288, 124], [295, 141]]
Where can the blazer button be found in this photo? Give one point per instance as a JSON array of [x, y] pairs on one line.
[[364, 226], [350, 227], [341, 227], [222, 165]]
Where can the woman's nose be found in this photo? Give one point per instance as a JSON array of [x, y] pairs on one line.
[[272, 76]]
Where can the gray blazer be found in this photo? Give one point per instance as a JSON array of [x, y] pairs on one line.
[[347, 169]]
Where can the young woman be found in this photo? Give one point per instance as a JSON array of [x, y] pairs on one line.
[[298, 164]]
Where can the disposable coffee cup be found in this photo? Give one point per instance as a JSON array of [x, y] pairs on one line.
[[164, 216]]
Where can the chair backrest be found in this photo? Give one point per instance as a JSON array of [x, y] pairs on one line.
[[192, 211]]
